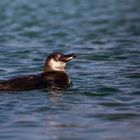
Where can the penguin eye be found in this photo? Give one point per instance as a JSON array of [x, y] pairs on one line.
[[57, 57]]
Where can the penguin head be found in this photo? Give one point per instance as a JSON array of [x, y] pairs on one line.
[[57, 61]]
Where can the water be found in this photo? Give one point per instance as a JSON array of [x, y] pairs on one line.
[[104, 101]]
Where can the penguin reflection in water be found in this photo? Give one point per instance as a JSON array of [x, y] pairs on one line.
[[54, 76]]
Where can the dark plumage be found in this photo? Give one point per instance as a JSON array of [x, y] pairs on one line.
[[54, 76]]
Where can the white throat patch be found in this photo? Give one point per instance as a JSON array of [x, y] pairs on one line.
[[57, 65]]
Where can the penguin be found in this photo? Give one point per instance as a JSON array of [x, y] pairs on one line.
[[54, 76]]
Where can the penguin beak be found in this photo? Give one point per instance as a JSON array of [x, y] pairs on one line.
[[68, 57]]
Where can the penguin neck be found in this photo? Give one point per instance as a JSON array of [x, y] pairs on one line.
[[56, 69]]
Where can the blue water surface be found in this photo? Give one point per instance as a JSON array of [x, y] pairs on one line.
[[104, 101]]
